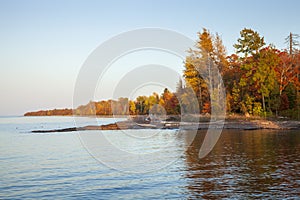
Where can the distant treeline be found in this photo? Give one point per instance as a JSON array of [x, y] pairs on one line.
[[259, 80], [166, 103], [58, 112]]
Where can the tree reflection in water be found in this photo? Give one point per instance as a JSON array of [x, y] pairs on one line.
[[245, 164]]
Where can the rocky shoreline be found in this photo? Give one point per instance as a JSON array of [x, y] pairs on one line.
[[230, 124]]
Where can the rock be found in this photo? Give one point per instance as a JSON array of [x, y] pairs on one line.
[[242, 125]]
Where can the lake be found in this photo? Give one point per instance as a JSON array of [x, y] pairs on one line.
[[155, 164]]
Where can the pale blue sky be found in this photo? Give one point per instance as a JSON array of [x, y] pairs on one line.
[[44, 43]]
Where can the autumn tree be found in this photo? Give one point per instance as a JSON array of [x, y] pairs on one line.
[[264, 76], [249, 43], [251, 82], [231, 77], [286, 71], [170, 103], [141, 105], [219, 54], [120, 107], [289, 79], [200, 71], [195, 81], [132, 108]]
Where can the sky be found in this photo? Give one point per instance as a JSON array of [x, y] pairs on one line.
[[43, 44]]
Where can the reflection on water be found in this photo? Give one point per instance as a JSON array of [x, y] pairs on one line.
[[246, 164], [243, 164]]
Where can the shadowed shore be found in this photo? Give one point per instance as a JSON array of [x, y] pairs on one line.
[[240, 124]]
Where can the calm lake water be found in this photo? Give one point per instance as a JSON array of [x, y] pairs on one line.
[[243, 164]]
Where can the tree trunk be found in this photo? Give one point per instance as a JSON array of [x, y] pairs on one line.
[[264, 105], [200, 99]]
